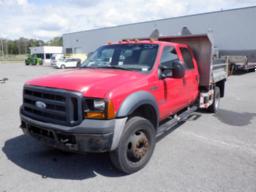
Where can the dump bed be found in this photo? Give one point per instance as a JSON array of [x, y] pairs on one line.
[[211, 69]]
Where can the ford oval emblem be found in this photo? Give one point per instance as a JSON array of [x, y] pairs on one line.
[[40, 104]]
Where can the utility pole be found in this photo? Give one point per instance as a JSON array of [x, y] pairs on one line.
[[2, 50], [6, 47], [2, 47]]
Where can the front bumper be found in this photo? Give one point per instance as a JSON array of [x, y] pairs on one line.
[[88, 136]]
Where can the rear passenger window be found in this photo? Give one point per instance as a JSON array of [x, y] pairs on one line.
[[169, 55], [187, 58]]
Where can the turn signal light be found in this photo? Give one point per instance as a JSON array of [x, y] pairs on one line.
[[95, 115], [110, 110], [101, 110]]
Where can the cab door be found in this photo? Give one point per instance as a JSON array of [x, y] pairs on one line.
[[191, 75], [174, 88]]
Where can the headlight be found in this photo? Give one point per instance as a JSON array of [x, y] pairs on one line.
[[98, 109], [99, 104]]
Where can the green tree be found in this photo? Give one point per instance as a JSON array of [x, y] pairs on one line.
[[22, 45], [56, 41]]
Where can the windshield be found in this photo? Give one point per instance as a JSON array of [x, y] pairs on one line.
[[139, 57]]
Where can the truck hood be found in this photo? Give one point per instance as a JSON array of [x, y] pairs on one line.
[[90, 82]]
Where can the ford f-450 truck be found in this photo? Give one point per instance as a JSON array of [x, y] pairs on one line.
[[124, 96]]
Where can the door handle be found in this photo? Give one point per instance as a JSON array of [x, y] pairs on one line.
[[184, 81], [197, 80]]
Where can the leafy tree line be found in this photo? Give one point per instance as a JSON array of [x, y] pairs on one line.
[[21, 45]]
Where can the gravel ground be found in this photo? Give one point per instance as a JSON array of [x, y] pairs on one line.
[[206, 153]]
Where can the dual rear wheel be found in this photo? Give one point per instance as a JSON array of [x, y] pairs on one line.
[[216, 101]]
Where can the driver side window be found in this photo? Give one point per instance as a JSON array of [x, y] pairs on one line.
[[169, 55]]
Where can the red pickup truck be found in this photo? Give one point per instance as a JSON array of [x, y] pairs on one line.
[[124, 96]]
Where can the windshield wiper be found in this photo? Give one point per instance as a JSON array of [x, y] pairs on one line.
[[114, 67]]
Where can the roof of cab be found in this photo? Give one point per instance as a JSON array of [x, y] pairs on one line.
[[157, 42]]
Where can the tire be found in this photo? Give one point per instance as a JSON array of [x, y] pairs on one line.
[[216, 101], [252, 70], [136, 146], [62, 67]]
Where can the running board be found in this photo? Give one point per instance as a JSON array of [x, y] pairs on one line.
[[174, 120]]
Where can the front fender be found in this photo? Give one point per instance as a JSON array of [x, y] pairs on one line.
[[135, 100], [129, 105]]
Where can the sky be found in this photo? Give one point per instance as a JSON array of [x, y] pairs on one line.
[[45, 19]]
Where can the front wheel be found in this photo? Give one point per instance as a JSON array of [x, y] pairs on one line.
[[136, 146], [62, 67], [216, 101]]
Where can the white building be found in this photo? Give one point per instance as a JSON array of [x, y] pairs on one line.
[[232, 30], [46, 52]]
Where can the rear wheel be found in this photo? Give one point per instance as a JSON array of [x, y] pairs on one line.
[[252, 70], [136, 146], [62, 67], [216, 101]]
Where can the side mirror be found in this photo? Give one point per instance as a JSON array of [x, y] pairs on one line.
[[174, 70], [178, 70]]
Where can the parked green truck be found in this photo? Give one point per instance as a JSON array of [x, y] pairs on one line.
[[33, 60]]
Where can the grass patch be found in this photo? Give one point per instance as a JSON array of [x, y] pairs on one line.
[[13, 58]]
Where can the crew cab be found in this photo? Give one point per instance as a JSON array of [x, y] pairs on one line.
[[124, 96]]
